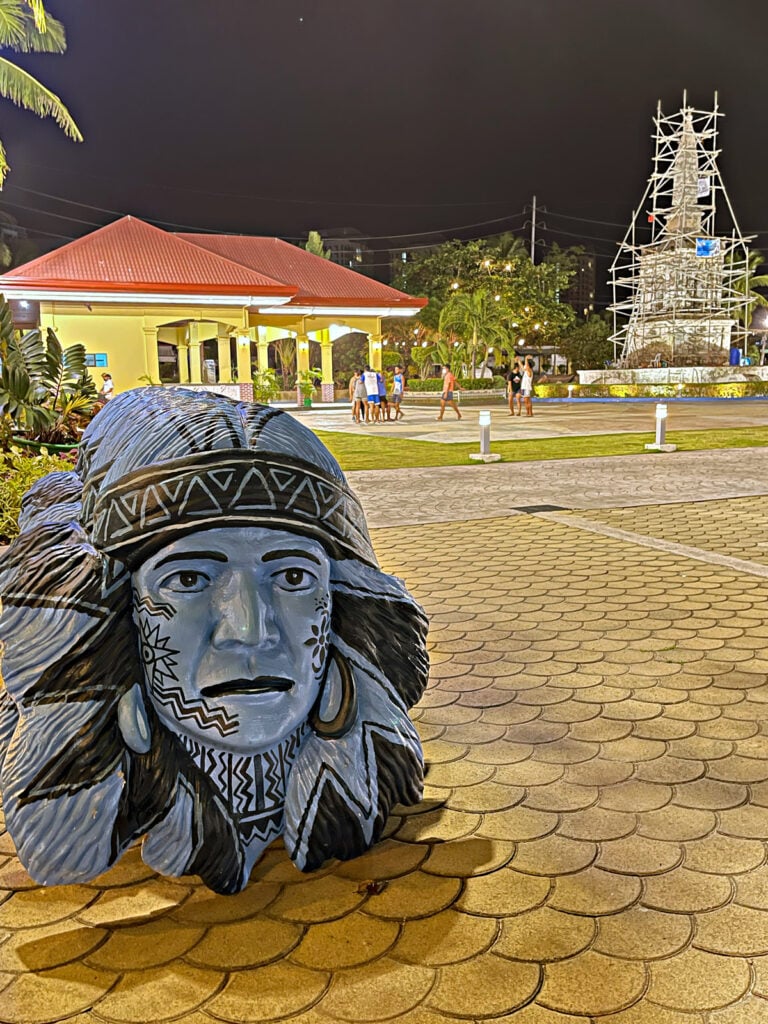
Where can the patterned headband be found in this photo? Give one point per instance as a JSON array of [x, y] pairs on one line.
[[152, 506]]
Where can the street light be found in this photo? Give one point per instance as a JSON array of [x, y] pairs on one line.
[[660, 444], [485, 454]]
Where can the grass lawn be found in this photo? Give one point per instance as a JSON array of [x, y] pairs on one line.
[[356, 452]]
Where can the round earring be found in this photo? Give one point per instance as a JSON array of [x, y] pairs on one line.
[[132, 721], [346, 712]]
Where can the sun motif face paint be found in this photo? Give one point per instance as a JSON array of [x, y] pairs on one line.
[[233, 626]]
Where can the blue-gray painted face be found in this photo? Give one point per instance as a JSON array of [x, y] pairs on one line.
[[234, 625]]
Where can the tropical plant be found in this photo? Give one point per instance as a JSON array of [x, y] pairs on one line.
[[25, 26], [266, 387], [475, 318], [285, 352], [45, 391], [18, 471], [448, 353], [314, 244], [744, 285], [305, 381]]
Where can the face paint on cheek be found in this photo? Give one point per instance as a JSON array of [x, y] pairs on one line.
[[166, 691], [320, 632]]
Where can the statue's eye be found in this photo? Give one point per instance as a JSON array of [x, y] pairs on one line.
[[295, 578], [186, 582]]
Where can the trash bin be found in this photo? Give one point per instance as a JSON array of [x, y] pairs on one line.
[[734, 358]]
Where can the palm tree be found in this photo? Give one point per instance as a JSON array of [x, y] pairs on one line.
[[25, 26], [476, 319], [745, 284]]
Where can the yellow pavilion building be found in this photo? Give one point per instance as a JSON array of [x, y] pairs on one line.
[[153, 306]]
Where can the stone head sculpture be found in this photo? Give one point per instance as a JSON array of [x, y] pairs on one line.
[[200, 649]]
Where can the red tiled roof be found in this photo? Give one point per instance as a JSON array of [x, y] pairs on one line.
[[130, 255], [320, 282]]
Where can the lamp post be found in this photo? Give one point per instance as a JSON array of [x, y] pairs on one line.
[[660, 444]]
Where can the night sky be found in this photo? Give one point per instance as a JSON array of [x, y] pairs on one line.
[[397, 117]]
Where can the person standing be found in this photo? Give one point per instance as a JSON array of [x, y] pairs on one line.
[[359, 400], [514, 382], [107, 389], [398, 388], [449, 392], [526, 387], [372, 409], [383, 402]]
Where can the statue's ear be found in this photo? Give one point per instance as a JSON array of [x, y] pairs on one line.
[[133, 722]]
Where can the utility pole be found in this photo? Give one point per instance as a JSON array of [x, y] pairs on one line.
[[533, 231]]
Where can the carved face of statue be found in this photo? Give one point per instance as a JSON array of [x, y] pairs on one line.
[[234, 626]]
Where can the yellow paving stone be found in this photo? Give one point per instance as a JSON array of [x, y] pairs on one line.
[[518, 824], [726, 855], [277, 990], [159, 994], [429, 732], [445, 938], [562, 796], [140, 946], [710, 794], [700, 748], [751, 1010], [52, 945], [597, 823], [458, 773], [642, 934], [442, 751], [543, 935], [36, 907], [594, 892], [533, 1013], [544, 695], [510, 714], [689, 712], [135, 903], [539, 731], [571, 712], [206, 907], [752, 888], [567, 751], [378, 991], [646, 1012], [604, 694], [434, 698], [465, 857], [633, 710], [317, 899], [503, 892], [129, 870], [388, 859], [453, 715], [734, 931], [414, 895], [42, 996], [727, 728], [758, 793], [348, 942], [636, 855], [528, 773], [245, 944], [485, 796], [592, 983], [484, 986], [682, 891], [747, 822], [696, 980], [632, 749], [598, 772], [670, 770], [477, 734], [441, 825], [634, 796], [501, 752], [599, 730], [554, 855]]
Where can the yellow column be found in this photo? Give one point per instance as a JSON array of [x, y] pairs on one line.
[[326, 358], [224, 354], [195, 358], [262, 349], [183, 353], [151, 359], [302, 353], [374, 351], [244, 338]]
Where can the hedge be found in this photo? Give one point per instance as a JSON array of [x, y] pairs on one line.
[[737, 389], [465, 384]]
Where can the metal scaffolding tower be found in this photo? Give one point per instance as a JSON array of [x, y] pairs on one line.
[[684, 288]]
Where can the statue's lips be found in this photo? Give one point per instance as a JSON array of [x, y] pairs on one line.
[[245, 687]]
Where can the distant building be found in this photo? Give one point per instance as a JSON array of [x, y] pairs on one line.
[[348, 249], [580, 293]]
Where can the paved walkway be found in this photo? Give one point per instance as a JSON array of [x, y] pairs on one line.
[[591, 848]]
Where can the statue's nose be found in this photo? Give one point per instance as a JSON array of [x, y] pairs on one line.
[[244, 614]]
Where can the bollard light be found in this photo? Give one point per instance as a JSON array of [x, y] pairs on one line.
[[660, 444], [485, 440], [570, 390]]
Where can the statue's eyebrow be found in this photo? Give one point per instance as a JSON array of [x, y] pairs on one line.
[[187, 556], [271, 556]]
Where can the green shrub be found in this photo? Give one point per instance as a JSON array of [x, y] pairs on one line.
[[737, 389], [18, 471]]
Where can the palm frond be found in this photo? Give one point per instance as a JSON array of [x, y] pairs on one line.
[[4, 165], [25, 91], [38, 13], [18, 30]]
